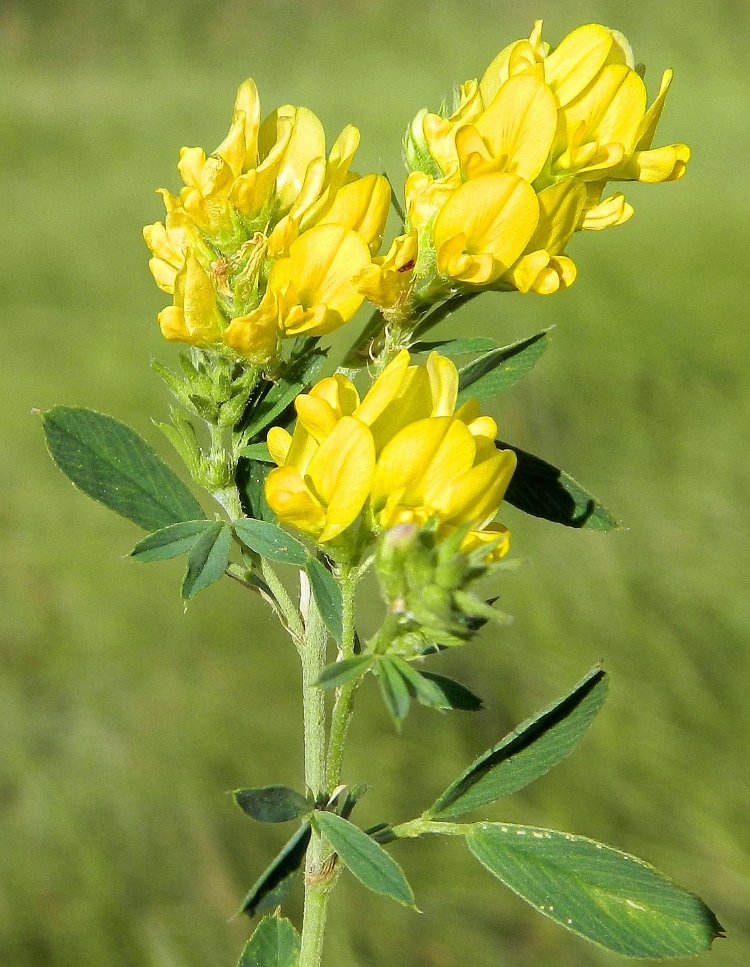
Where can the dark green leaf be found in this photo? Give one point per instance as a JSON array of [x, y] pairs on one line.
[[257, 451], [597, 892], [394, 689], [272, 804], [455, 695], [496, 371], [368, 861], [114, 465], [542, 490], [251, 480], [526, 753], [352, 796], [327, 596], [346, 670], [276, 880], [270, 541], [208, 559], [170, 541], [282, 393], [455, 347], [275, 943]]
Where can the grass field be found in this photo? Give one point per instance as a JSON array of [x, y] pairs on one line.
[[124, 721]]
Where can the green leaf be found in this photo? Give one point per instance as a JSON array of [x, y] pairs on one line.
[[423, 689], [275, 943], [542, 490], [368, 861], [346, 670], [208, 559], [455, 347], [114, 465], [251, 480], [394, 689], [595, 891], [496, 371], [454, 694], [276, 880], [270, 541], [282, 393], [526, 753], [327, 596], [257, 451], [169, 542], [272, 804]]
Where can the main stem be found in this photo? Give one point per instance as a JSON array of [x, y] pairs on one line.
[[321, 776]]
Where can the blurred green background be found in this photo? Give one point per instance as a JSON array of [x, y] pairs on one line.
[[124, 721]]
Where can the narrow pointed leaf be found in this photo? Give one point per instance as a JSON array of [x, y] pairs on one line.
[[272, 804], [327, 596], [251, 480], [455, 347], [276, 880], [595, 891], [346, 670], [111, 463], [275, 943], [543, 490], [270, 541], [257, 451], [526, 753], [455, 695], [368, 861], [169, 542], [282, 393], [394, 689], [496, 371], [208, 559], [423, 689]]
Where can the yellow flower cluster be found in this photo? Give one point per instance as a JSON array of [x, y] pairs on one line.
[[266, 234], [497, 189], [403, 454]]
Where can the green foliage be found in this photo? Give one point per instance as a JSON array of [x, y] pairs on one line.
[[454, 694], [170, 541], [270, 541], [346, 670], [496, 371], [275, 943], [526, 753], [281, 393], [365, 858], [455, 347], [542, 490], [208, 559], [114, 465], [393, 688], [606, 896], [272, 804], [256, 451], [276, 880], [327, 596]]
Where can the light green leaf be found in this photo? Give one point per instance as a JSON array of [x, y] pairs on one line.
[[276, 880], [327, 597], [455, 347], [275, 943], [595, 891], [208, 559], [280, 395], [542, 490], [169, 542], [394, 689], [368, 861], [257, 451], [526, 753], [270, 541], [423, 689], [272, 804], [496, 371], [346, 670], [111, 463]]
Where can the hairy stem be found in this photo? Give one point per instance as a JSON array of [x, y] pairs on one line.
[[342, 710]]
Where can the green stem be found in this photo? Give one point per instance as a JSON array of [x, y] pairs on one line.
[[318, 882], [342, 709]]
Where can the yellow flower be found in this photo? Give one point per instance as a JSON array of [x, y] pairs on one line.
[[388, 281], [403, 454], [194, 318]]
